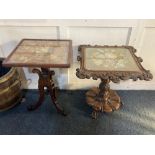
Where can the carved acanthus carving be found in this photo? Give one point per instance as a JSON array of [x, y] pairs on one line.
[[114, 76]]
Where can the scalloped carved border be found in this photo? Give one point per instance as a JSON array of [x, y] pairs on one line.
[[114, 76]]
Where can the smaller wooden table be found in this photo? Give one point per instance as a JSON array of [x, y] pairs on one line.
[[43, 54], [108, 63]]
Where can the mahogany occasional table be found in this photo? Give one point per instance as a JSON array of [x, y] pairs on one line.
[[43, 54], [108, 63]]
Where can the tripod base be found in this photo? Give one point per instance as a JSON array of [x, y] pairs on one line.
[[45, 80]]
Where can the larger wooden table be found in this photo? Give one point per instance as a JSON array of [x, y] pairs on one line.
[[108, 63], [43, 54]]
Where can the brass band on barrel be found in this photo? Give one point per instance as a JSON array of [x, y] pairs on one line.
[[10, 92]]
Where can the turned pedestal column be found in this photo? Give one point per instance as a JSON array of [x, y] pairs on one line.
[[108, 63]]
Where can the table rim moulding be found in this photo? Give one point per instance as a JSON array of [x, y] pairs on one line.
[[114, 76], [67, 65]]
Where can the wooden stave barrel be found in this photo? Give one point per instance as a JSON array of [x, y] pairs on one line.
[[10, 90]]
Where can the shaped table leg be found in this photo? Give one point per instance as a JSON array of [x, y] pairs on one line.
[[54, 100], [45, 80], [40, 101]]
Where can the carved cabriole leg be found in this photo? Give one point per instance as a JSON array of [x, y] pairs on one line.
[[40, 101], [52, 91], [41, 91]]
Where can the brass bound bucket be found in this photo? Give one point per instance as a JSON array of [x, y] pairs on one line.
[[10, 87]]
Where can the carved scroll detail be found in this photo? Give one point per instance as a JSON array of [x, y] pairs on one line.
[[114, 76]]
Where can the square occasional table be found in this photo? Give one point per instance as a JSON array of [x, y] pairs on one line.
[[108, 63], [43, 54]]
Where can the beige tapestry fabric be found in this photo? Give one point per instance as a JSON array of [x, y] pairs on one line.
[[38, 52], [109, 59]]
